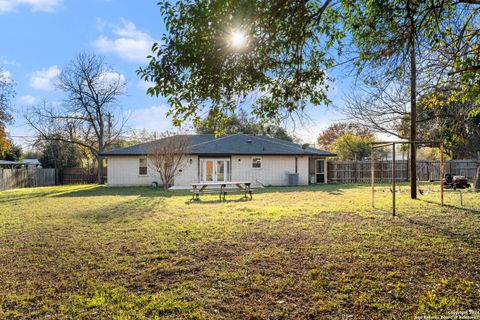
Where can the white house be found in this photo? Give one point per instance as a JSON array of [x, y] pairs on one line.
[[240, 157]]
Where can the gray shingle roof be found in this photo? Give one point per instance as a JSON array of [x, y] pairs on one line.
[[236, 144]]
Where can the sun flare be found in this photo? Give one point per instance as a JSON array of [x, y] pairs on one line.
[[238, 39]]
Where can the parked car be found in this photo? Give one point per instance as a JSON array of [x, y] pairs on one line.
[[453, 181]]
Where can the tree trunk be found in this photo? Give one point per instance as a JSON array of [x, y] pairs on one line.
[[476, 186], [166, 179], [413, 131], [413, 110], [100, 170]]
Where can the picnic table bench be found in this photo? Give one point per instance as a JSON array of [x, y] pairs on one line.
[[222, 188]]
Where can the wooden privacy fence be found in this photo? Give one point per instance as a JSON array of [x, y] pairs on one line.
[[427, 170], [26, 178], [77, 176]]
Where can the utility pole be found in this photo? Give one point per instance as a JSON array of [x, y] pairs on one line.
[[413, 103]]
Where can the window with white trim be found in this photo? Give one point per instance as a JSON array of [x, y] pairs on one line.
[[142, 167], [256, 162]]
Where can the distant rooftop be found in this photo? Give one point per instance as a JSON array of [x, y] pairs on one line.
[[19, 163]]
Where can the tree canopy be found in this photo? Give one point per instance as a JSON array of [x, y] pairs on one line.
[[457, 124], [280, 64], [59, 154], [4, 142], [13, 153], [352, 147], [241, 122], [327, 137], [279, 68]]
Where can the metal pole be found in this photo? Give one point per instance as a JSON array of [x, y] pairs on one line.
[[393, 180], [373, 177], [442, 173]]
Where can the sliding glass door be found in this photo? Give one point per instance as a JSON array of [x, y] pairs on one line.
[[214, 170]]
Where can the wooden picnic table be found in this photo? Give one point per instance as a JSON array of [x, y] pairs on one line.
[[222, 188]]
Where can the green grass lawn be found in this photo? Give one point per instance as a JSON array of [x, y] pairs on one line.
[[89, 252]]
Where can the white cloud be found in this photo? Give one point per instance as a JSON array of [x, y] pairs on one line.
[[101, 24], [113, 77], [28, 100], [35, 5], [111, 80], [144, 85], [43, 79], [152, 119], [128, 42], [7, 62]]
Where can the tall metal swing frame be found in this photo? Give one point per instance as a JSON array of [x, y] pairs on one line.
[[376, 145]]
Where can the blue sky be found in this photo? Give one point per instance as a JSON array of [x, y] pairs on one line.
[[39, 37]]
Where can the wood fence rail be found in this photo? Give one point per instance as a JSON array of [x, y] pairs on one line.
[[427, 170], [77, 176], [26, 178]]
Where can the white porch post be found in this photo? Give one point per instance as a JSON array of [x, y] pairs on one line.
[[325, 169]]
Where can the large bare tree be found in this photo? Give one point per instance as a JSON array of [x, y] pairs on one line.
[[7, 92], [167, 156], [88, 116]]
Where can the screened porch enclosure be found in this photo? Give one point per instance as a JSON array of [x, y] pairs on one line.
[[317, 170]]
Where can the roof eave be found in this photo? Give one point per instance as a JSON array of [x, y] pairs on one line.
[[211, 154]]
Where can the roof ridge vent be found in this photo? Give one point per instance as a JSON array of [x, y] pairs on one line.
[[249, 141], [305, 146]]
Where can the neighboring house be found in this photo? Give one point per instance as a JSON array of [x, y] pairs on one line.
[[240, 157], [25, 163], [32, 163]]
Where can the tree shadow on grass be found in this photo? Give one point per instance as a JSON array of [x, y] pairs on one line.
[[102, 191], [465, 209], [334, 189], [143, 191], [444, 230], [6, 198], [123, 212], [217, 201], [465, 238]]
